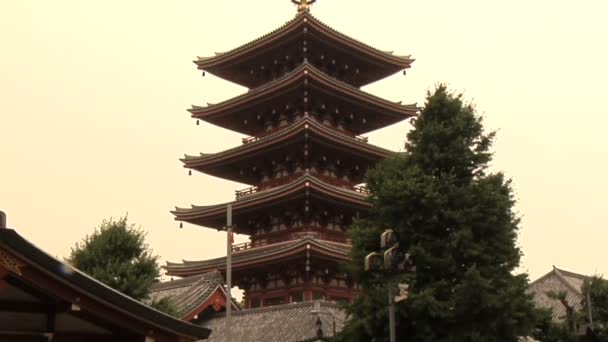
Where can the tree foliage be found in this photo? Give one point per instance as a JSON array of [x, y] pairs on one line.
[[166, 305], [457, 220], [597, 290], [116, 254]]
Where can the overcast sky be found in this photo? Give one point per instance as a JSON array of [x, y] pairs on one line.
[[93, 99]]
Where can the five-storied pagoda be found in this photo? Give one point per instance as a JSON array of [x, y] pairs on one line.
[[304, 158]]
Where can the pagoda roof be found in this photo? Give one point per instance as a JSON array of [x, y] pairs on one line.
[[214, 215], [226, 164], [32, 281], [277, 252], [379, 112], [379, 64]]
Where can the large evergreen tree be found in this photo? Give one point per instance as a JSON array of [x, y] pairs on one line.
[[457, 220], [117, 255]]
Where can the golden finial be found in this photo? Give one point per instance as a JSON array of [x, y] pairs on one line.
[[303, 5]]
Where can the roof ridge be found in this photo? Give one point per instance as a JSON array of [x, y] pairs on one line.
[[561, 277], [572, 274], [281, 307]]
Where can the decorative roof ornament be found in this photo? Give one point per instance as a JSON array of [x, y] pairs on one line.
[[303, 5]]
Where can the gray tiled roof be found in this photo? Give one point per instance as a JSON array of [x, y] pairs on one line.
[[188, 293], [281, 323], [558, 281]]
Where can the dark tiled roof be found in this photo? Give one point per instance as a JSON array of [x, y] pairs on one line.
[[356, 146], [113, 301], [281, 323], [307, 70], [269, 251], [307, 179], [299, 26], [189, 293], [558, 281]]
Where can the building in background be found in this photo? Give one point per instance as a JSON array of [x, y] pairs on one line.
[[304, 160]]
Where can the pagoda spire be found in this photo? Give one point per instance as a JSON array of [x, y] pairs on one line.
[[303, 5]]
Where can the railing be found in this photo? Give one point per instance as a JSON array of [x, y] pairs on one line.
[[333, 180], [241, 246], [249, 140], [245, 192], [362, 189], [284, 236], [360, 138]]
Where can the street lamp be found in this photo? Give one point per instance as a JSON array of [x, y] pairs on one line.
[[392, 262]]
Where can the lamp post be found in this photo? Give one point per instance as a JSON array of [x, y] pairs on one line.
[[392, 262]]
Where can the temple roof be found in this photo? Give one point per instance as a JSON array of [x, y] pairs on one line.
[[558, 281], [306, 185], [277, 252], [193, 295], [376, 111], [230, 64], [228, 164], [280, 323], [36, 280]]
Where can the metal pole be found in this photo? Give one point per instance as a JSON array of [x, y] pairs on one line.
[[391, 311], [2, 220], [228, 271], [589, 305]]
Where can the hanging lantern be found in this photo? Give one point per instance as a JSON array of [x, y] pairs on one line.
[[203, 73], [189, 172], [181, 225], [198, 122]]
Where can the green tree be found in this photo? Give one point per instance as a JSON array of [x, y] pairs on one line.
[[597, 289], [457, 220], [166, 305], [117, 255]]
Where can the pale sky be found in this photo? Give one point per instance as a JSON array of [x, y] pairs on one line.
[[93, 99]]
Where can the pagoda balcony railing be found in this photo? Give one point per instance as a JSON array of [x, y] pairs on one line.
[[284, 180], [361, 139], [362, 189], [249, 140], [266, 185], [241, 246], [290, 237], [245, 192]]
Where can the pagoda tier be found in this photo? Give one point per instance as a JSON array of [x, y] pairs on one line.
[[303, 145], [292, 271], [300, 39], [305, 89], [307, 205]]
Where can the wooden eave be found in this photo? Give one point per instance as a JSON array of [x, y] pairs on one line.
[[93, 299], [214, 215], [374, 107], [304, 26], [216, 163], [278, 252]]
